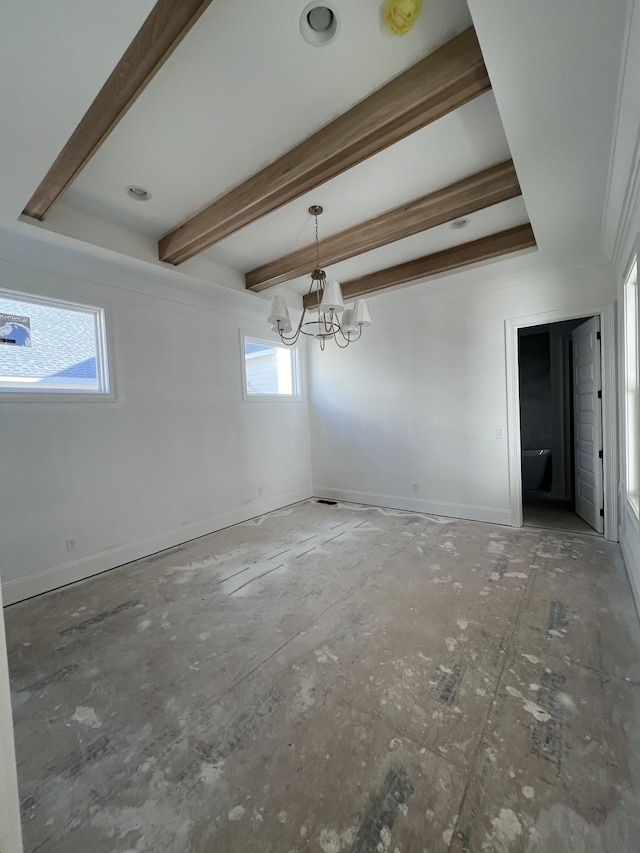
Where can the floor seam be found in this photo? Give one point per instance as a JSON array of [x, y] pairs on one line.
[[400, 730], [568, 659], [478, 751], [310, 622]]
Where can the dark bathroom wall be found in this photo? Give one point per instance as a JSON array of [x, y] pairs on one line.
[[535, 391]]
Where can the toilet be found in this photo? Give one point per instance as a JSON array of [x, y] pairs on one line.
[[535, 464]]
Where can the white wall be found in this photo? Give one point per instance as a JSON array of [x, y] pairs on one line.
[[419, 398], [178, 454], [621, 239]]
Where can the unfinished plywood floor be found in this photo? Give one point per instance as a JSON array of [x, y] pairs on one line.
[[557, 515], [335, 679]]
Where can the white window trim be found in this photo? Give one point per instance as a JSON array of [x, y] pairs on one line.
[[297, 367], [632, 497], [104, 353]]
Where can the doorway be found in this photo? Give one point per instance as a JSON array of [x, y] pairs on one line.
[[549, 500], [548, 429]]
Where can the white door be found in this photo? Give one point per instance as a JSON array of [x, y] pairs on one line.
[[587, 409]]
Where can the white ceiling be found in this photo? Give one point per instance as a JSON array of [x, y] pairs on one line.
[[460, 144], [244, 87], [555, 66]]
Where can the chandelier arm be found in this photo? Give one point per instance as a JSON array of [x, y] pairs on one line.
[[293, 339], [337, 341], [290, 341], [351, 340], [314, 292]]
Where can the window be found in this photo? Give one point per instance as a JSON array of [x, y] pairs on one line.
[[270, 369], [632, 395], [50, 346]]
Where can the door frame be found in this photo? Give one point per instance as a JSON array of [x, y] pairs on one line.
[[609, 414]]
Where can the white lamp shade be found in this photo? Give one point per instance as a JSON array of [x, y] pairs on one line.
[[332, 298], [283, 328], [279, 312], [361, 316], [346, 322]]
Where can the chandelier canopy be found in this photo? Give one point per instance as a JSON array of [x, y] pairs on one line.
[[329, 317]]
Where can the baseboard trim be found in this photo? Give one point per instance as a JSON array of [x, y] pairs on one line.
[[55, 577], [629, 539], [493, 515]]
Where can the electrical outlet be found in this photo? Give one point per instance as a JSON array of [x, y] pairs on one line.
[[259, 490], [499, 433], [415, 488], [71, 544]]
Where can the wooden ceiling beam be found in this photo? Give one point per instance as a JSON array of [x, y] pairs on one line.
[[469, 195], [441, 82], [485, 249], [163, 30]]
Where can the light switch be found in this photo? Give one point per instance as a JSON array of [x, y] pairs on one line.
[[499, 433]]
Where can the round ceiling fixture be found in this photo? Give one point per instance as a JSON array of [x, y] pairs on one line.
[[320, 18], [318, 24], [139, 193], [457, 224]]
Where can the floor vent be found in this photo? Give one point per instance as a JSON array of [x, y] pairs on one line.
[[323, 501]]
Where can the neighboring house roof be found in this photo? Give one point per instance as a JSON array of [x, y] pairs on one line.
[[250, 347], [63, 343], [83, 370]]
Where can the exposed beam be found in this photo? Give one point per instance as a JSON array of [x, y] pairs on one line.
[[486, 249], [163, 30], [439, 83], [491, 186]]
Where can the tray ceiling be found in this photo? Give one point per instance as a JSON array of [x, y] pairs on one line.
[[242, 88]]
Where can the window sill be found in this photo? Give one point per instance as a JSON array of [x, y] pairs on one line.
[[273, 398], [56, 397]]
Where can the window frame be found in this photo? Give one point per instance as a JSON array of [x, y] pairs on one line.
[[631, 387], [104, 358], [298, 395]]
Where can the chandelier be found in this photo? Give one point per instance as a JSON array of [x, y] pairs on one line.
[[329, 317]]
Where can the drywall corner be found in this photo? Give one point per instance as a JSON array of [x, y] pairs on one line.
[[10, 831]]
